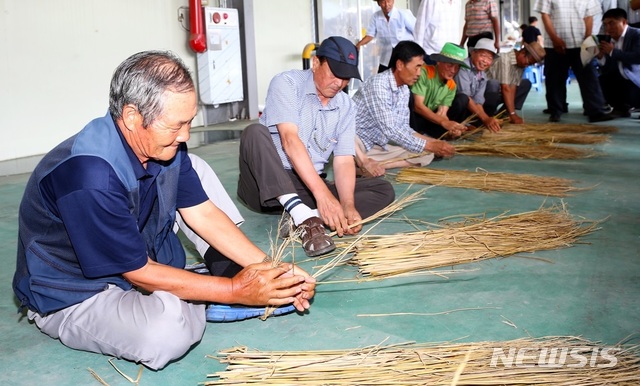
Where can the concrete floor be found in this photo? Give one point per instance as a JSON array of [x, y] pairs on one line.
[[591, 289]]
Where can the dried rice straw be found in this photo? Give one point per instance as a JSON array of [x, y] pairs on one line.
[[548, 360], [486, 181], [278, 251], [519, 150], [474, 239], [510, 134], [399, 203], [583, 128]]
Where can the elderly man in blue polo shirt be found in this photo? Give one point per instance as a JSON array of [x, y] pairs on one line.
[[307, 119], [99, 266]]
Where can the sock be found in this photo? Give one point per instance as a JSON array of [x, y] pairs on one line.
[[296, 208]]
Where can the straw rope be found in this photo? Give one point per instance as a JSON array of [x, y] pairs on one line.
[[548, 361], [486, 181]]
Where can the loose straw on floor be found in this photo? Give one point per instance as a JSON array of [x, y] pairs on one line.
[[548, 361], [486, 181], [536, 151], [474, 239], [583, 128], [399, 203], [519, 135]]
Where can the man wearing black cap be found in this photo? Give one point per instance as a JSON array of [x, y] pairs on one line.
[[306, 120]]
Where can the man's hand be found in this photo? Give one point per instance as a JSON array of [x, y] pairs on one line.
[[260, 284], [372, 168], [455, 129], [515, 119], [440, 148], [559, 45], [492, 124], [352, 217], [308, 288], [606, 48], [332, 213]]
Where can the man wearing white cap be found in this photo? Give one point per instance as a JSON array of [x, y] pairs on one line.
[[472, 82]]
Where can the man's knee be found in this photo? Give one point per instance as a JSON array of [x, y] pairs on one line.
[[171, 334], [254, 132], [525, 86]]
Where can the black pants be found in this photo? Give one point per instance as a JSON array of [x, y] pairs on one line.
[[556, 72], [424, 126], [263, 179], [622, 94], [220, 265], [493, 96], [472, 40]]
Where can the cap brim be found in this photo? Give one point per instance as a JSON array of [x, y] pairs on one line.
[[445, 59], [495, 55], [343, 70]]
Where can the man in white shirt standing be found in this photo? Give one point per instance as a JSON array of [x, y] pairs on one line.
[[437, 22], [389, 26]]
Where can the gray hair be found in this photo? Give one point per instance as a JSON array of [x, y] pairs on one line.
[[143, 78]]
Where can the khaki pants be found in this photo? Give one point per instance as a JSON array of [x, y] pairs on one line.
[[395, 153]]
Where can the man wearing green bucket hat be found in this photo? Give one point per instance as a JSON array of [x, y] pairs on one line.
[[435, 91]]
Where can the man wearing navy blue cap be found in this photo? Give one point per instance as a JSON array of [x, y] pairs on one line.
[[306, 120]]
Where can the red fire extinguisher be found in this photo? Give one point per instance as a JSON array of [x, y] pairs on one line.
[[197, 39]]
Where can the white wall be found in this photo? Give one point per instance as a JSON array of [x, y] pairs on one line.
[[283, 28], [57, 58]]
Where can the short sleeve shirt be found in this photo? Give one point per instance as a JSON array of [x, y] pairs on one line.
[[435, 92], [399, 27], [505, 69], [568, 17], [324, 130], [478, 14], [87, 195]]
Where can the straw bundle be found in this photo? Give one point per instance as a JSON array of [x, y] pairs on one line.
[[486, 181], [474, 239], [542, 362], [583, 128], [536, 151], [511, 134]]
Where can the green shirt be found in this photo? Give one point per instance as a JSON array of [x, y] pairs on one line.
[[435, 92]]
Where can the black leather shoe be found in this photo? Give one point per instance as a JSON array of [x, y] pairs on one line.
[[564, 110], [620, 113], [600, 118], [554, 118]]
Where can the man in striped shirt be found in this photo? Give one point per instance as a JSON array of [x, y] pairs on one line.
[[480, 21]]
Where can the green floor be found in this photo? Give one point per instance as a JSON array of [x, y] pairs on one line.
[[591, 289]]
